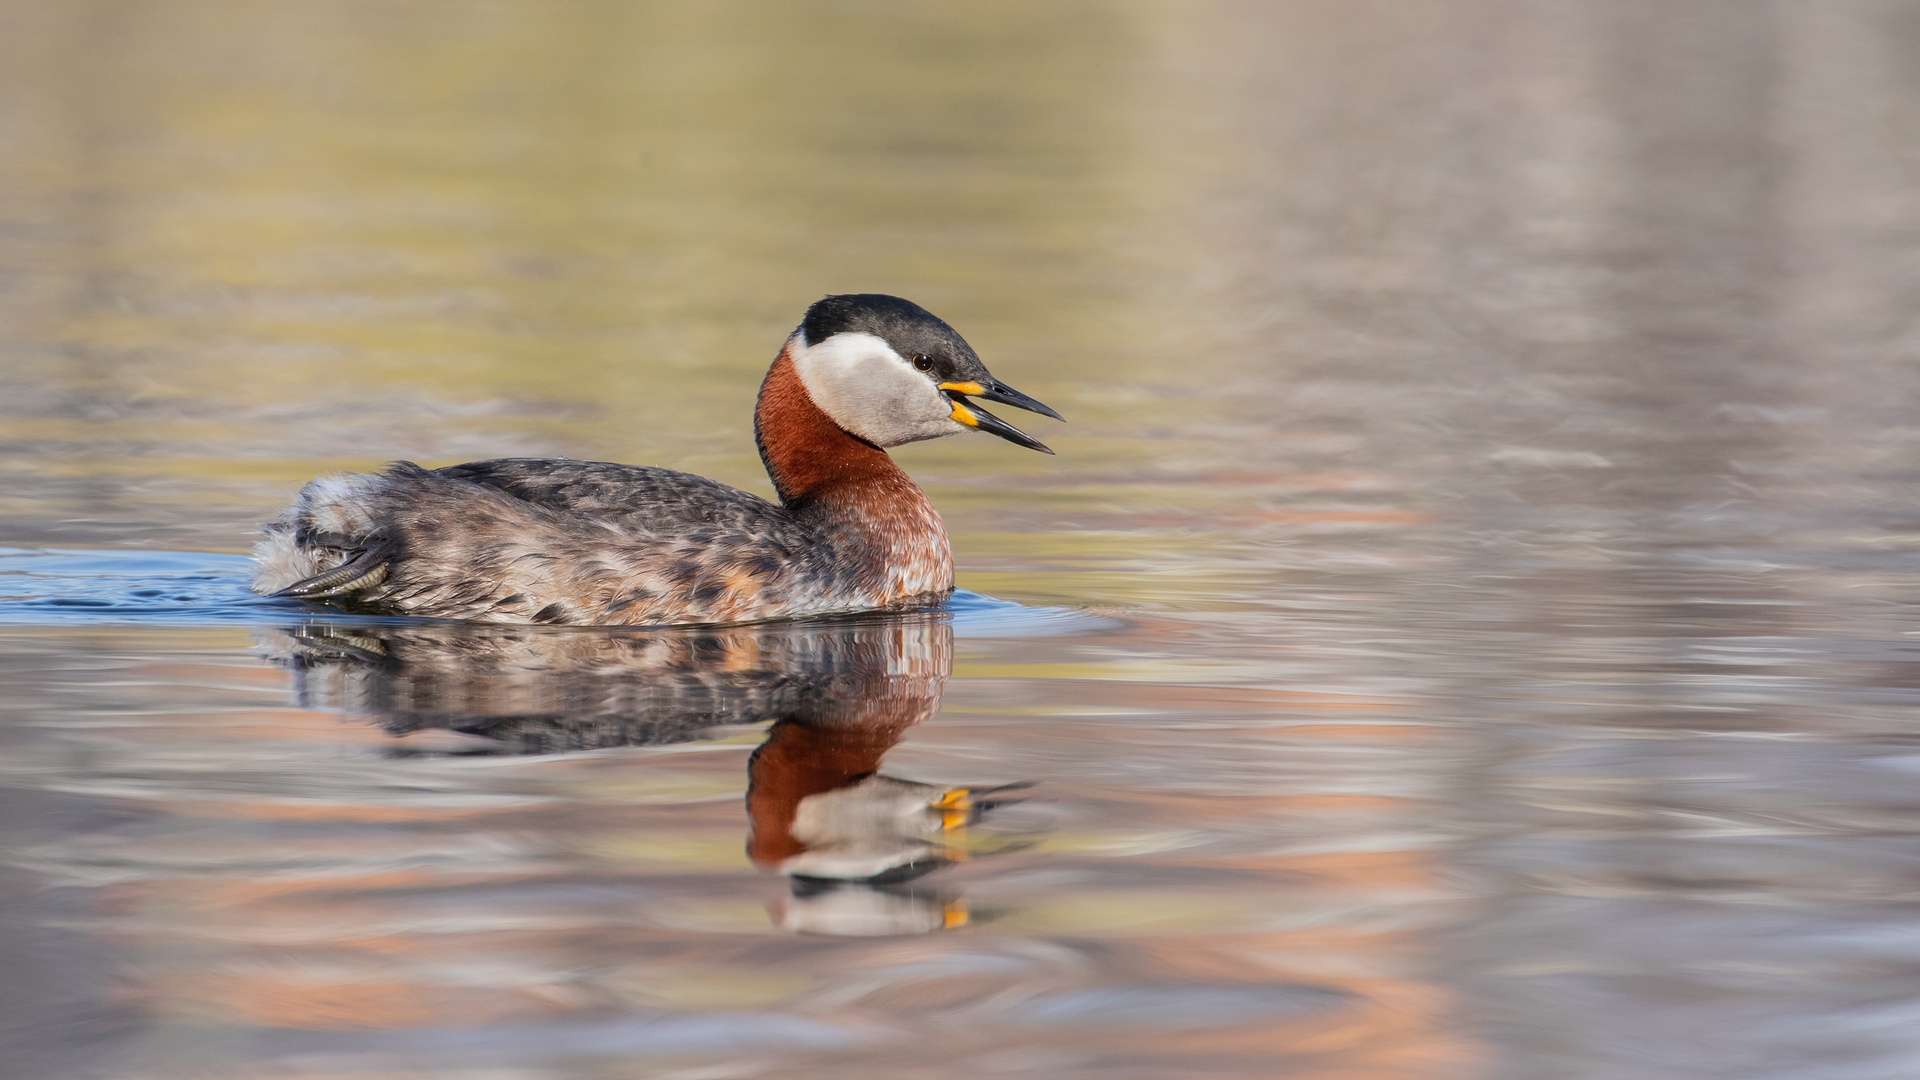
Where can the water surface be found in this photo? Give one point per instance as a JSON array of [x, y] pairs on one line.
[[1469, 629]]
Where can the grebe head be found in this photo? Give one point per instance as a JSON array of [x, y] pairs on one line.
[[886, 370]]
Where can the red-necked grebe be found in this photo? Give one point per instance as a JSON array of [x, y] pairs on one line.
[[542, 540]]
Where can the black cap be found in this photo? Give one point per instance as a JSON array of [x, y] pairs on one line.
[[910, 329]]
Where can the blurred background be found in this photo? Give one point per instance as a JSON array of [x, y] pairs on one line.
[[1469, 625]]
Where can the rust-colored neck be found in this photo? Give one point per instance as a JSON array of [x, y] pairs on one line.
[[809, 457], [879, 682], [801, 759], [885, 541]]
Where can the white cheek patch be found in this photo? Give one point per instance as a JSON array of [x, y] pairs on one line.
[[872, 391]]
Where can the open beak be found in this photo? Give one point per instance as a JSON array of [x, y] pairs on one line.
[[972, 415]]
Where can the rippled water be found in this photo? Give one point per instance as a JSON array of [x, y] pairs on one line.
[[1469, 629]]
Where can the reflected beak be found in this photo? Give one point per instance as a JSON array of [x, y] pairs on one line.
[[966, 412]]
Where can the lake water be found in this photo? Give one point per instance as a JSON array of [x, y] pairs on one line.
[[1471, 628]]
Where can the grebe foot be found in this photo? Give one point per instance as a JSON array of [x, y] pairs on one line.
[[365, 570]]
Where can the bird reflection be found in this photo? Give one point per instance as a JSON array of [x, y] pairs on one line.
[[852, 842]]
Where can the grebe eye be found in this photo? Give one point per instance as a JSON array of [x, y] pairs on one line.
[[923, 363]]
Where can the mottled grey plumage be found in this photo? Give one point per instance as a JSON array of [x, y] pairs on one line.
[[647, 499], [579, 542]]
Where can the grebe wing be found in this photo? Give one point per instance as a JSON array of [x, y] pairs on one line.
[[531, 540], [635, 495]]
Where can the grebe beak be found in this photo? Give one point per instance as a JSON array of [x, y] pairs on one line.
[[995, 390], [966, 412]]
